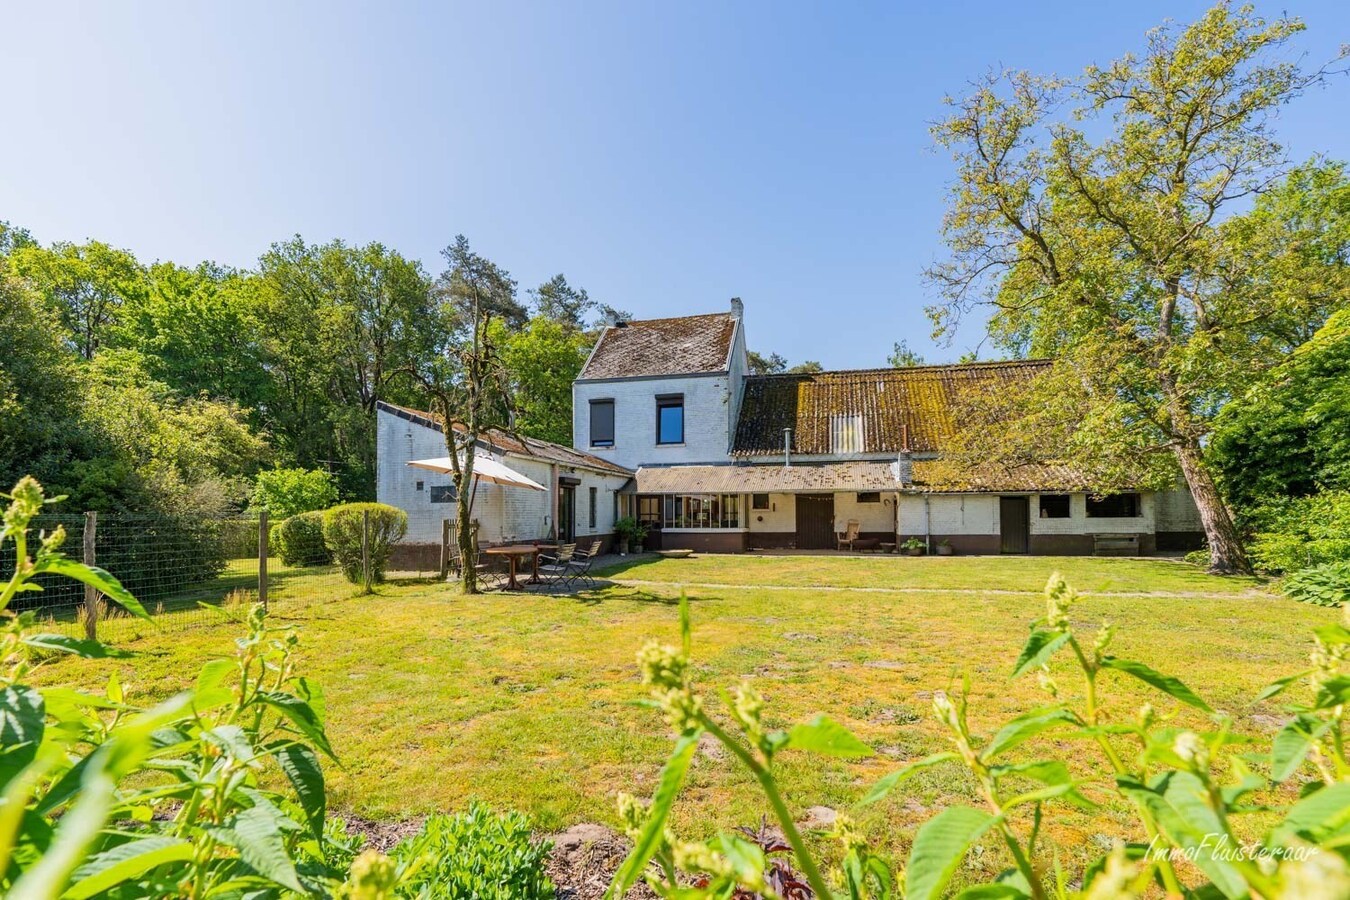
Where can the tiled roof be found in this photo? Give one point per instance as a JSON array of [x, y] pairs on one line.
[[889, 407], [688, 345], [929, 475], [522, 446]]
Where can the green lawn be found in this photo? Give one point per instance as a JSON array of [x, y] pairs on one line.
[[526, 701], [1001, 573]]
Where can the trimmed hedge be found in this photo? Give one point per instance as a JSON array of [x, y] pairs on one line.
[[342, 533], [299, 540]]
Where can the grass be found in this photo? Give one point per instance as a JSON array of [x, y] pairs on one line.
[[1002, 573], [526, 701]]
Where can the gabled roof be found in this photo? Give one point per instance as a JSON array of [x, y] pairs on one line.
[[519, 446], [895, 409], [688, 345]]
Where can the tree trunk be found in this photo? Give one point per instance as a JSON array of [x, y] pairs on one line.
[[468, 540], [1226, 556]]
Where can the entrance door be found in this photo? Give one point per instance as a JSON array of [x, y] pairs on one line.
[[567, 515], [1014, 516], [815, 521]]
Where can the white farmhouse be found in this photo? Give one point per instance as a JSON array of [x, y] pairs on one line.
[[669, 427], [728, 461]]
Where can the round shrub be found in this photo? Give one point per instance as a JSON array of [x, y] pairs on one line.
[[477, 855], [342, 533], [1324, 585], [299, 541]]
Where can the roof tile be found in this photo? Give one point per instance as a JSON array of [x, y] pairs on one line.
[[688, 345]]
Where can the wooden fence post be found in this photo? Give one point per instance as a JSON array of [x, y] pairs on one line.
[[90, 593], [365, 550], [445, 549], [262, 558]]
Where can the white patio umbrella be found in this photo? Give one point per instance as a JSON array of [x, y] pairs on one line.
[[484, 469]]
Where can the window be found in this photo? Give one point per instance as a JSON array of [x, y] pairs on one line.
[[421, 485], [759, 501], [614, 507], [869, 496], [846, 434], [1113, 506], [691, 510], [649, 511], [1054, 506], [442, 493], [670, 419], [602, 423], [595, 493]]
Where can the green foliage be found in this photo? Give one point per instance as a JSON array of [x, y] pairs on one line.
[[288, 492], [1171, 780], [299, 540], [902, 357], [1327, 584], [541, 362], [1198, 558], [342, 532], [1087, 220], [111, 799], [86, 284], [477, 855], [631, 528], [1303, 532], [1286, 436]]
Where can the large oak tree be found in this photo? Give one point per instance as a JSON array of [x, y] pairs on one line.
[[1095, 217]]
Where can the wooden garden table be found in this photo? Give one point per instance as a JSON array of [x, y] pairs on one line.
[[513, 553]]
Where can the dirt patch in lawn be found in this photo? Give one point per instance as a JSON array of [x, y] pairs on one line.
[[584, 860]]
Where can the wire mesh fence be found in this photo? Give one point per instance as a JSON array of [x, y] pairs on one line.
[[185, 572]]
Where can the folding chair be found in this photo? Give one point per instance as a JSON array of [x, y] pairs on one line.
[[557, 569], [581, 564]]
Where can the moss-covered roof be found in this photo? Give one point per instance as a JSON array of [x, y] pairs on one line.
[[911, 408]]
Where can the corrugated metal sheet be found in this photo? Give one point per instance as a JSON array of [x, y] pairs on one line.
[[888, 409]]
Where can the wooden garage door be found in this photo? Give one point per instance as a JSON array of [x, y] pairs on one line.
[[815, 521]]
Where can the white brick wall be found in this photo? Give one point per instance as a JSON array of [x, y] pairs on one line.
[[781, 515], [1176, 510], [707, 419], [503, 513]]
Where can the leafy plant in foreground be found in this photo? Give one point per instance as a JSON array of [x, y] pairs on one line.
[[1182, 807], [105, 799], [477, 855]]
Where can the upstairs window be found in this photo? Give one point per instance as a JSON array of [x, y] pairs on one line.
[[846, 434], [1113, 506], [602, 423], [443, 493], [670, 419], [1054, 506]]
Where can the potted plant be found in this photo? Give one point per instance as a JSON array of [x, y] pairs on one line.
[[944, 547], [914, 546], [626, 530], [639, 536]]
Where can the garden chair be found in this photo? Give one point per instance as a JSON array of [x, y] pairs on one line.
[[557, 569], [488, 574], [581, 564], [849, 537]]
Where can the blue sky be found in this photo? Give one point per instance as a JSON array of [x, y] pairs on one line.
[[665, 156]]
